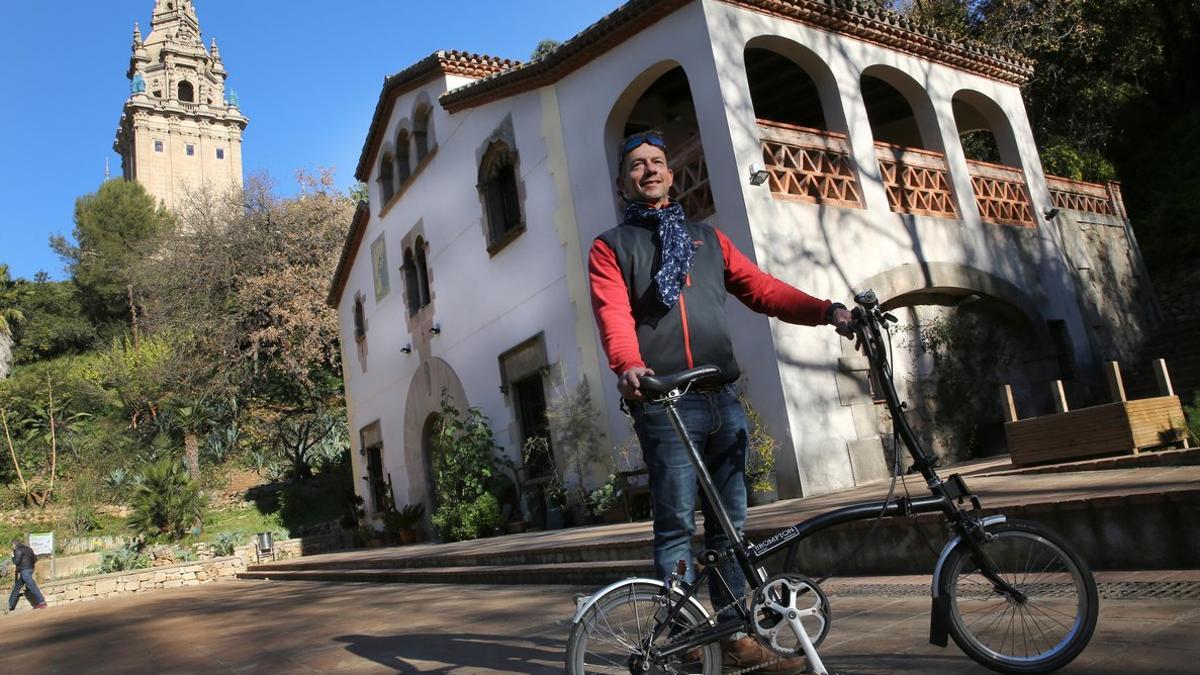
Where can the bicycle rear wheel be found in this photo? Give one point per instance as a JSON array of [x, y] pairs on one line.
[[608, 638], [1039, 633]]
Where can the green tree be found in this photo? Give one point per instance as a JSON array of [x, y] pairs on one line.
[[55, 323], [193, 418], [544, 48], [463, 463], [114, 228], [10, 316]]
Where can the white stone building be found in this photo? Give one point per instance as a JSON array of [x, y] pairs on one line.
[[488, 181]]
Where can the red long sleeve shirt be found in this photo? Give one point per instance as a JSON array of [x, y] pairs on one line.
[[756, 289]]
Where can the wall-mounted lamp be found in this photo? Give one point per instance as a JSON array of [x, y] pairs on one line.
[[1050, 213], [407, 349], [436, 330], [758, 175]]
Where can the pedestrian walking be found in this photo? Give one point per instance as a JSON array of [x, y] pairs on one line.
[[24, 560]]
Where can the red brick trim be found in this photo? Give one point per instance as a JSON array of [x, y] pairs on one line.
[[844, 17], [437, 64]]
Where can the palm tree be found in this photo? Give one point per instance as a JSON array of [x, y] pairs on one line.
[[194, 418]]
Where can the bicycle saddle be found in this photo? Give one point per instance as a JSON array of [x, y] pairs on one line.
[[652, 385]]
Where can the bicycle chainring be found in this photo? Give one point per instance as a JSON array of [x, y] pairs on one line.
[[787, 601]]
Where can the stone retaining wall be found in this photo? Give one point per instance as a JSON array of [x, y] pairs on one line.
[[192, 573]]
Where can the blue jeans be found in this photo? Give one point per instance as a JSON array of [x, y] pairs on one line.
[[716, 425], [34, 595]]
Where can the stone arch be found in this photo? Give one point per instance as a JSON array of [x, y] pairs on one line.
[[902, 285], [423, 403], [813, 66], [618, 116], [661, 98], [977, 112], [886, 92]]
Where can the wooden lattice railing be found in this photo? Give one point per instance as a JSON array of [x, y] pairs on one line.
[[691, 187], [1077, 195], [916, 181], [808, 165], [1000, 193]]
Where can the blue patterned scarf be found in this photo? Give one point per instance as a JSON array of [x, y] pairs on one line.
[[674, 241]]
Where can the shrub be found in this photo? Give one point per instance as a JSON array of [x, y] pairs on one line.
[[469, 520], [463, 463], [167, 503], [760, 450], [604, 498], [228, 541], [128, 557]]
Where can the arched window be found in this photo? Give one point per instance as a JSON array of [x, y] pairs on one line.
[[498, 180], [412, 286], [403, 166], [360, 320], [422, 272], [387, 181], [421, 131], [186, 93]]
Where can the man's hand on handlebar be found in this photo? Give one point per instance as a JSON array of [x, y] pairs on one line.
[[629, 385], [841, 320]]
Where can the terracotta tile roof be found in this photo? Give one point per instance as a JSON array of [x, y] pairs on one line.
[[436, 64], [844, 17], [358, 226]]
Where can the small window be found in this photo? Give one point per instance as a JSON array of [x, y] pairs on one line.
[[412, 286], [360, 320], [186, 93], [422, 273], [220, 153], [501, 199], [387, 181], [190, 150], [403, 166], [158, 146], [421, 132]]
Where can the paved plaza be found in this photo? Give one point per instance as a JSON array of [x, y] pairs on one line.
[[310, 627]]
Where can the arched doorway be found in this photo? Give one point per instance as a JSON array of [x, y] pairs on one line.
[[433, 379]]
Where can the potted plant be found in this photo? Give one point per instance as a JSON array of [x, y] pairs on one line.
[[603, 501], [760, 458], [402, 524]]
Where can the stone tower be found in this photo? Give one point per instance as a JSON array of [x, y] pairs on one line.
[[178, 128]]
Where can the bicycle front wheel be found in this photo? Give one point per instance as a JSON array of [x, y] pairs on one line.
[[609, 637], [1037, 633]]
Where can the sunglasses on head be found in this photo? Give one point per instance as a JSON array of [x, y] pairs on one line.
[[646, 137]]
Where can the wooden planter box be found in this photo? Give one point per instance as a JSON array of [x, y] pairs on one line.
[[1112, 428]]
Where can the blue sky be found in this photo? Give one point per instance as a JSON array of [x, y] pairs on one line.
[[307, 73]]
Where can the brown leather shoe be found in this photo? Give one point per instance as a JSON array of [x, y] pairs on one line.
[[748, 653]]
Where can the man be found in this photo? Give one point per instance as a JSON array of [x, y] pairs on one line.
[[658, 291], [24, 560]]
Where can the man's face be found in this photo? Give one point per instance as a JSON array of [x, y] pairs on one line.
[[645, 176]]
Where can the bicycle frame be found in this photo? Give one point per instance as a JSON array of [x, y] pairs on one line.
[[946, 496]]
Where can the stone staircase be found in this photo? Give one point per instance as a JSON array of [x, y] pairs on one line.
[[1119, 518]]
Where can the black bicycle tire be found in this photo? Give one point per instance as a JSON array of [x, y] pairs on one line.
[[1085, 585], [712, 651]]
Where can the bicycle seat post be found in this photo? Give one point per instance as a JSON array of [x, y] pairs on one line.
[[705, 479]]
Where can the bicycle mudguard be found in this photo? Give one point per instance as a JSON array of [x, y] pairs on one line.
[[586, 605], [939, 615]]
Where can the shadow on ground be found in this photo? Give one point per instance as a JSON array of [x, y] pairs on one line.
[[404, 652]]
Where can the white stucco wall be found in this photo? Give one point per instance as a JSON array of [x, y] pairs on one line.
[[565, 135]]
